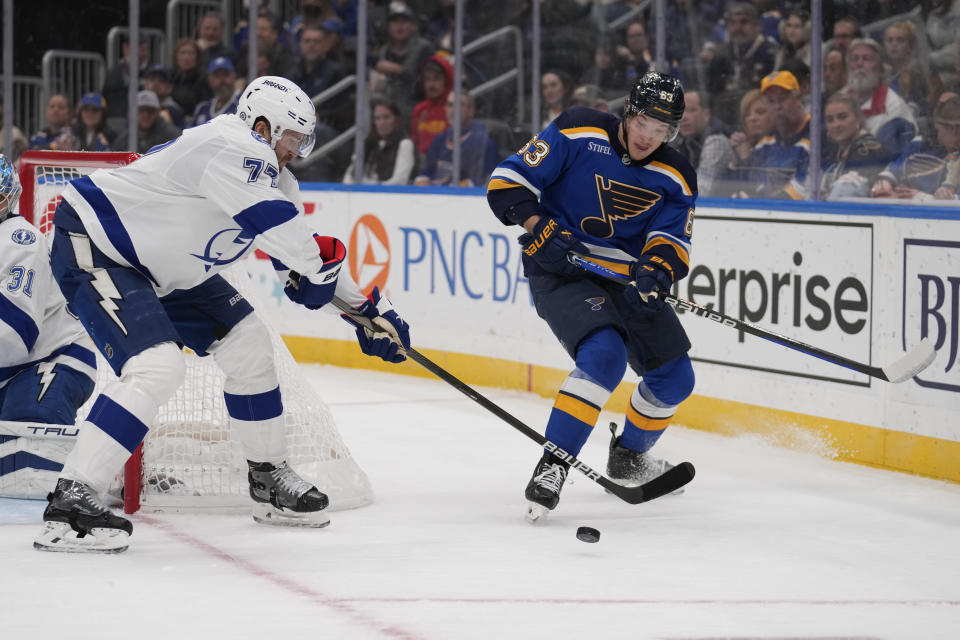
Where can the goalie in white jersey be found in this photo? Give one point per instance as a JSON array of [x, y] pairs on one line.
[[137, 251], [47, 364]]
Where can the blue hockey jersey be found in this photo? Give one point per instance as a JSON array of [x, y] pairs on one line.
[[575, 171]]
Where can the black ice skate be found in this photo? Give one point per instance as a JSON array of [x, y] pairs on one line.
[[632, 468], [543, 490], [283, 498], [75, 520]]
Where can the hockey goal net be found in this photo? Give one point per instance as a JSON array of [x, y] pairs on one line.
[[188, 460]]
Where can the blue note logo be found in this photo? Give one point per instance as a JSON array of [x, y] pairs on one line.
[[24, 236], [224, 247], [595, 303]]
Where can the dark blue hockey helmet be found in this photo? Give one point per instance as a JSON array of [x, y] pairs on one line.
[[658, 96]]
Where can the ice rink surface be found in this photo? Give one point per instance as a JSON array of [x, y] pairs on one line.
[[766, 544]]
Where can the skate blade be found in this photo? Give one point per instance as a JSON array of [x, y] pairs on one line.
[[536, 512], [265, 513], [59, 536]]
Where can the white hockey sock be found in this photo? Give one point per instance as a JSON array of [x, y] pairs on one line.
[[257, 421], [116, 425], [122, 413], [252, 391]]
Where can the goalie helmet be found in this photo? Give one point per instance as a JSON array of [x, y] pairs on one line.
[[284, 106], [9, 187], [658, 96]]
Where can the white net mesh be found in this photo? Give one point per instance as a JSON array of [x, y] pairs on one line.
[[189, 459]]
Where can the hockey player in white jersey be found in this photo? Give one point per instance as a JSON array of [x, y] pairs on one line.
[[47, 363], [137, 251]]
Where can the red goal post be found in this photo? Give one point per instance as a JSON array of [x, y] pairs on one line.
[[188, 461], [44, 174]]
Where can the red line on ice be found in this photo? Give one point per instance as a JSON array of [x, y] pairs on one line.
[[339, 605]]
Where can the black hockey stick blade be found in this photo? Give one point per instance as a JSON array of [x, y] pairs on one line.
[[667, 482], [907, 366], [663, 484]]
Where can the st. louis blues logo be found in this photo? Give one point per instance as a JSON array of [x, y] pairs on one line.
[[618, 201], [595, 303], [225, 247], [24, 236]]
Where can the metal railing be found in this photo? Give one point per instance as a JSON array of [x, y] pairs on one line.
[[25, 109], [183, 16], [324, 96], [71, 73], [515, 74], [155, 38]]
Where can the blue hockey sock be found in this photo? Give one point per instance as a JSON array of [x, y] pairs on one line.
[[601, 362]]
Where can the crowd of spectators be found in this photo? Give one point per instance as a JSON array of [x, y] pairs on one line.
[[890, 89]]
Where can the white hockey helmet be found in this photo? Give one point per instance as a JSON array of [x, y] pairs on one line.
[[284, 105], [9, 187]]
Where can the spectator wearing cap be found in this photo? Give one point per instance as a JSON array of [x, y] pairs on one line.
[[276, 56], [57, 135], [314, 70], [90, 133], [429, 117], [777, 167], [398, 62], [740, 62], [152, 130], [118, 79], [888, 117], [220, 79], [159, 79], [189, 84]]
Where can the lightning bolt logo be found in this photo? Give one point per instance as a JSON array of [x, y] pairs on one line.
[[47, 374], [99, 278], [108, 293]]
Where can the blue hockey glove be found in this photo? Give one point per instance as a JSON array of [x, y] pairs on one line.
[[651, 275], [549, 245], [392, 339], [315, 290]]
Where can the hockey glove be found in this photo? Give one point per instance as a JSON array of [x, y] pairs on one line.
[[549, 245], [651, 275], [392, 338], [316, 290]]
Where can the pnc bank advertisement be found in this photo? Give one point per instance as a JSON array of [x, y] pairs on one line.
[[866, 287]]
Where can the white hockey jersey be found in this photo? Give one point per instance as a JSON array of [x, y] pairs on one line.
[[194, 206], [34, 323]]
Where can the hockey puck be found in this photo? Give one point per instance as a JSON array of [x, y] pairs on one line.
[[588, 534]]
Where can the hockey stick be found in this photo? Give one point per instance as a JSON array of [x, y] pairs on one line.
[[668, 482], [909, 365]]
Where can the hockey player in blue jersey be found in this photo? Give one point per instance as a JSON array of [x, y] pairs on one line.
[[137, 253], [612, 190]]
